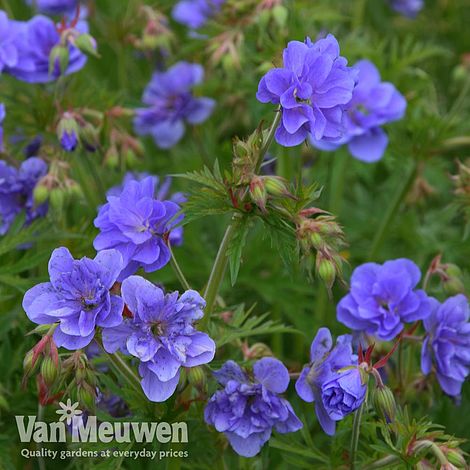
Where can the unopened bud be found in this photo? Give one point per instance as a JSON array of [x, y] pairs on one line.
[[131, 158], [384, 403], [258, 193], [28, 366], [257, 351], [74, 190], [327, 272], [453, 284], [276, 186], [56, 199], [89, 136], [40, 194], [111, 158], [455, 457], [87, 44], [197, 377], [67, 132], [86, 396], [280, 14], [58, 59], [49, 371], [317, 240]]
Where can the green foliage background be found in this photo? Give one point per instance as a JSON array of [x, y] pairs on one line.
[[378, 205]]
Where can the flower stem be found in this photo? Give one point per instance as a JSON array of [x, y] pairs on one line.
[[123, 369], [393, 207], [355, 435], [41, 463], [218, 270], [177, 270], [221, 260], [269, 139], [383, 463]]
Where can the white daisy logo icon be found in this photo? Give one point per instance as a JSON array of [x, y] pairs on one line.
[[68, 411]]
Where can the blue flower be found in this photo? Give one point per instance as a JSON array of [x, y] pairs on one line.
[[409, 8], [161, 193], [160, 334], [384, 297], [9, 54], [312, 89], [447, 343], [195, 13], [247, 410], [137, 225], [16, 191], [373, 104], [35, 40], [322, 382], [77, 297], [343, 393], [171, 103]]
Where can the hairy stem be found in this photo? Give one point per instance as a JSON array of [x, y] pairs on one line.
[[123, 369], [41, 463], [176, 268], [218, 270], [355, 435], [269, 139]]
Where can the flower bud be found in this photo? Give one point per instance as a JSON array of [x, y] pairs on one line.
[[56, 199], [49, 371], [384, 403], [58, 58], [197, 378], [28, 366], [455, 457], [258, 193], [131, 158], [257, 351], [452, 283], [316, 240], [280, 14], [327, 272], [275, 186], [111, 158], [89, 136], [86, 396], [40, 194], [87, 44], [67, 132], [74, 190]]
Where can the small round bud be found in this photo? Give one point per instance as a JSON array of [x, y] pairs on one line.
[[455, 457], [56, 199], [40, 194], [275, 186], [87, 44], [197, 377], [28, 366], [111, 159], [258, 193], [87, 396], [49, 371], [131, 158], [327, 272], [280, 14], [384, 403], [58, 59], [317, 240]]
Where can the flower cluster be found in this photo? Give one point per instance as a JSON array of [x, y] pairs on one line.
[[160, 334], [384, 297], [332, 380], [170, 103], [138, 225], [312, 89], [29, 47], [77, 297], [246, 410], [195, 13], [16, 191], [409, 8], [373, 104], [447, 343]]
